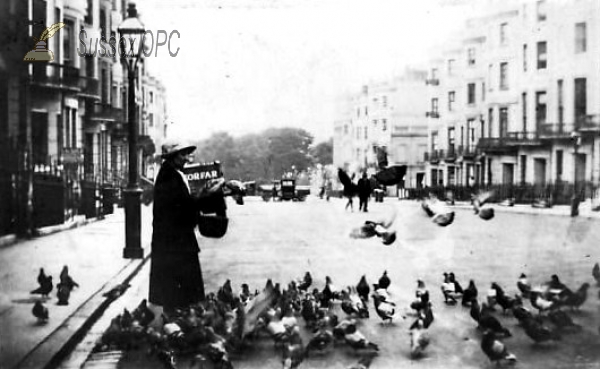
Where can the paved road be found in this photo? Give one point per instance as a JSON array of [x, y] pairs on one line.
[[283, 240]]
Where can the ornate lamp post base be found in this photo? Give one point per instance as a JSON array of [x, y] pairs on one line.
[[133, 248]]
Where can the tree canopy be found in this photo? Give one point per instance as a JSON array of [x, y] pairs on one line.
[[263, 156]]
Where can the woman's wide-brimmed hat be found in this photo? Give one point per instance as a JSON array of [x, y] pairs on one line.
[[173, 147]]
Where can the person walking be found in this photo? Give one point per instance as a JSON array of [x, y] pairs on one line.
[[175, 274], [349, 193], [364, 192]]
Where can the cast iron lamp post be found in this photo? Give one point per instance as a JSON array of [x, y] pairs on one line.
[[132, 32], [576, 137]]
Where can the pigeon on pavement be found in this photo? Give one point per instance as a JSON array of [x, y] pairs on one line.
[[40, 312]]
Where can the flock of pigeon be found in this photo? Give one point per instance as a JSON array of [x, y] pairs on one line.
[[63, 292], [304, 322]]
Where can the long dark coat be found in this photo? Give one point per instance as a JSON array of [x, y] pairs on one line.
[[175, 274]]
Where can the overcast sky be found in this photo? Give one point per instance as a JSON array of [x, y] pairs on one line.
[[245, 65]]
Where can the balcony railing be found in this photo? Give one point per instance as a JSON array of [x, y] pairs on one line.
[[102, 111], [450, 153], [432, 81], [495, 144], [56, 75], [89, 87], [467, 151], [432, 114]]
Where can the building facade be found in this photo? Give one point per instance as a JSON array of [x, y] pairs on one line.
[[525, 100], [66, 120]]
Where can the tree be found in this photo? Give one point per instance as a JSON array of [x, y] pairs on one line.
[[322, 153]]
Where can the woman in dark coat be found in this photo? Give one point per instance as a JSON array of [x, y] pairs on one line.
[[175, 274]]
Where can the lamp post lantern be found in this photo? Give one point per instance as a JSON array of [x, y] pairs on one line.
[[132, 31]]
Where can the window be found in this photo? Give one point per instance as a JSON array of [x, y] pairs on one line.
[[451, 99], [366, 111], [384, 125], [151, 94], [482, 91], [451, 139], [580, 37], [358, 112], [434, 73], [345, 129], [434, 141], [580, 99], [541, 10], [366, 131], [471, 135], [561, 106], [559, 164], [89, 18], [57, 40], [490, 77], [490, 121], [374, 123], [503, 122], [471, 93], [471, 56], [434, 105], [384, 101], [67, 37], [450, 67], [523, 168], [540, 109], [524, 111], [39, 137], [503, 33], [542, 55], [504, 76], [524, 57]]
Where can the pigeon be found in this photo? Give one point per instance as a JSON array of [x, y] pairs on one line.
[[439, 212], [596, 273], [540, 303], [293, 352], [66, 279], [329, 292], [357, 340], [385, 309], [45, 283], [364, 362], [419, 339], [143, 314], [489, 322], [539, 332], [225, 293], [116, 291], [40, 312], [363, 289], [422, 295], [322, 340], [352, 304], [524, 286], [494, 349], [63, 292], [563, 321], [305, 283], [485, 213], [245, 294], [469, 294], [575, 299], [384, 281], [449, 290]]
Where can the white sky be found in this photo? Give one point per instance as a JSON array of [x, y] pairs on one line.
[[245, 65]]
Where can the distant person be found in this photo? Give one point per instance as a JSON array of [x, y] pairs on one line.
[[364, 192], [349, 193]]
